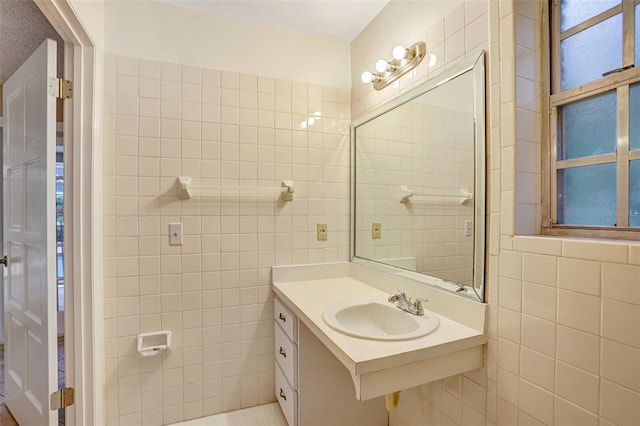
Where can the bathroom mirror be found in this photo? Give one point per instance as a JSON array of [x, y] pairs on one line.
[[418, 178]]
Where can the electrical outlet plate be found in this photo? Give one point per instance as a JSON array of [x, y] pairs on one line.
[[376, 230], [468, 228], [175, 234], [322, 232]]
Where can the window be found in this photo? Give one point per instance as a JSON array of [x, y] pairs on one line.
[[595, 118]]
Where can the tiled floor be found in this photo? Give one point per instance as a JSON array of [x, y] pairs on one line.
[[262, 415], [6, 419]]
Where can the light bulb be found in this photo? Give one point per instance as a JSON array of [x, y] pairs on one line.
[[432, 60], [311, 120], [381, 65], [398, 52], [366, 77], [303, 124], [317, 114]]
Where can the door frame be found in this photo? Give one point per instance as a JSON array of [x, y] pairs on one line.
[[84, 341]]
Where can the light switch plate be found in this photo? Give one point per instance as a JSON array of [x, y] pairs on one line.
[[175, 234], [376, 230]]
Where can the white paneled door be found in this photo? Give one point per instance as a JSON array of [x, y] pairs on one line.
[[29, 238]]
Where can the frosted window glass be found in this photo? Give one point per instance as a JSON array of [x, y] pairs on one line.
[[589, 127], [588, 54], [587, 195], [634, 116], [634, 193], [573, 12]]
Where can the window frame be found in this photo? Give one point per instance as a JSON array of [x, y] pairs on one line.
[[619, 81]]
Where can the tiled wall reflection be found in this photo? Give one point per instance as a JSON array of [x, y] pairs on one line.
[[429, 149]]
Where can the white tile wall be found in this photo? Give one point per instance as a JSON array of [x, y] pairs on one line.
[[221, 128], [567, 295]]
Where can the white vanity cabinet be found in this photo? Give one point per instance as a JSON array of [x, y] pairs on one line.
[[286, 353], [312, 387]]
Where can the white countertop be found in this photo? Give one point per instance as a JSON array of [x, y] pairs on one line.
[[309, 298]]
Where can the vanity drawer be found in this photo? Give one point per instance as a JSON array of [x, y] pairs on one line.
[[286, 319], [287, 398], [286, 353]]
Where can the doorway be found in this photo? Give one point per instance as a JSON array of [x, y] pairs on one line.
[[22, 29], [84, 337]]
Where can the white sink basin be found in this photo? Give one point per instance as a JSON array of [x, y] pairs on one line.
[[379, 321]]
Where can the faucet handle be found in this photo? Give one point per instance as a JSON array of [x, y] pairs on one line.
[[419, 301], [418, 305], [397, 295], [400, 292]]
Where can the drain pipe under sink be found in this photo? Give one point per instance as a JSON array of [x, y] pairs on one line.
[[392, 400]]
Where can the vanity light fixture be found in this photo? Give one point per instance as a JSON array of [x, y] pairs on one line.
[[403, 60]]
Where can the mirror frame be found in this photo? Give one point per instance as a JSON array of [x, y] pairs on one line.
[[476, 65]]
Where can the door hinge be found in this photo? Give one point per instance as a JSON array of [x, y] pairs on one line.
[[60, 88], [62, 398]]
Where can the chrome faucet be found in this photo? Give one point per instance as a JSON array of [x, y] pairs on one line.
[[403, 302]]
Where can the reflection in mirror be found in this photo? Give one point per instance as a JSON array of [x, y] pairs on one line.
[[419, 182]]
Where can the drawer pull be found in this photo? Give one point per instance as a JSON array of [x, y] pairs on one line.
[[282, 352], [282, 395], [282, 317]]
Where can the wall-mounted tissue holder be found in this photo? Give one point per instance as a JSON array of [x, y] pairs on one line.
[[154, 343], [185, 189]]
